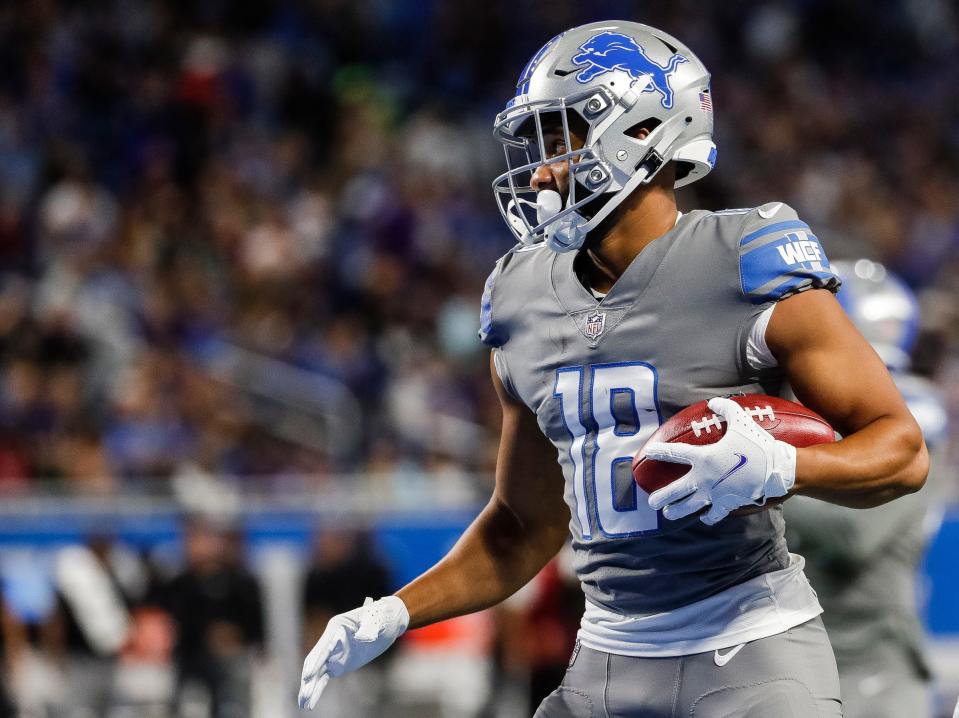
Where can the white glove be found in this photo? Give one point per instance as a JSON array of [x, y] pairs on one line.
[[744, 468], [350, 641]]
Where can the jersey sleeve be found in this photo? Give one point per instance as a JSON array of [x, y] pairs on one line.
[[779, 256], [494, 328], [492, 333]]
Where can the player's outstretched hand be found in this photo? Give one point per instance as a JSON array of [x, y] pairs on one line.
[[744, 468], [351, 640]]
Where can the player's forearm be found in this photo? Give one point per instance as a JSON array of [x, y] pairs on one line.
[[495, 557], [879, 462]]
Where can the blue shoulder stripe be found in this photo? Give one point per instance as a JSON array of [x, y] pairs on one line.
[[795, 283], [770, 228]]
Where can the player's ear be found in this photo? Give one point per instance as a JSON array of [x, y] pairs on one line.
[[642, 129], [668, 175]]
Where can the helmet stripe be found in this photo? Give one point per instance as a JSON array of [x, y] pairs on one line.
[[522, 84]]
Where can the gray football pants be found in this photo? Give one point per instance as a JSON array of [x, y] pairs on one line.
[[790, 675]]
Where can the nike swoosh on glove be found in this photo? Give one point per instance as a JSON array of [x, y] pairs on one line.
[[744, 468], [350, 641]]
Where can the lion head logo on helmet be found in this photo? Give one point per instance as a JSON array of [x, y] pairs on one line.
[[610, 51]]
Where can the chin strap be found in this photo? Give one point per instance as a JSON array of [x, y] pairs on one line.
[[569, 231], [566, 233]]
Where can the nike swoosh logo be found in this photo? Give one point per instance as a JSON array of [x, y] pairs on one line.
[[737, 467], [771, 212], [721, 659]]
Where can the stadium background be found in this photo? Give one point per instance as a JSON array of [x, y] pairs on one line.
[[241, 252]]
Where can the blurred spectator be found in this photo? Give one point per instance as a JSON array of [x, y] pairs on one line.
[[216, 606], [96, 585], [537, 629], [345, 571], [8, 637]]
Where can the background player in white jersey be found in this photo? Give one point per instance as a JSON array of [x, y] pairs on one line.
[[864, 564], [613, 313]]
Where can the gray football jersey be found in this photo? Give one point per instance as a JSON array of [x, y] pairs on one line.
[[864, 563], [601, 376]]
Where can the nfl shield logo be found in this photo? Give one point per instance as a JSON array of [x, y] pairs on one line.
[[595, 324]]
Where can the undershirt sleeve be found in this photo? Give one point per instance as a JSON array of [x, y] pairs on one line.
[[758, 355], [502, 371]]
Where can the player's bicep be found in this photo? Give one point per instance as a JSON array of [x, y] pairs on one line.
[[529, 480], [829, 365]]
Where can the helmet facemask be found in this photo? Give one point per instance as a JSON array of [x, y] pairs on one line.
[[523, 131]]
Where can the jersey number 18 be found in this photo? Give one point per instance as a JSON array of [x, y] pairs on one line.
[[607, 426]]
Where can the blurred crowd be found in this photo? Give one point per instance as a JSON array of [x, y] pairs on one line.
[[216, 214], [244, 243], [204, 631], [127, 636]]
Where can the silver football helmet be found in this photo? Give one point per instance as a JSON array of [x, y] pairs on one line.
[[606, 79], [881, 306]]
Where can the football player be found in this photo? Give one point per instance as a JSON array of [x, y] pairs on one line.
[[864, 564], [612, 313]]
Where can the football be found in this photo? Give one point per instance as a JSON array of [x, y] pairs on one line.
[[697, 424]]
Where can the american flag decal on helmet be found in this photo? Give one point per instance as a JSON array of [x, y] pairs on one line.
[[706, 101]]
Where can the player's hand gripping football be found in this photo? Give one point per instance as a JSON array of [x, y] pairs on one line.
[[744, 468], [350, 641]]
